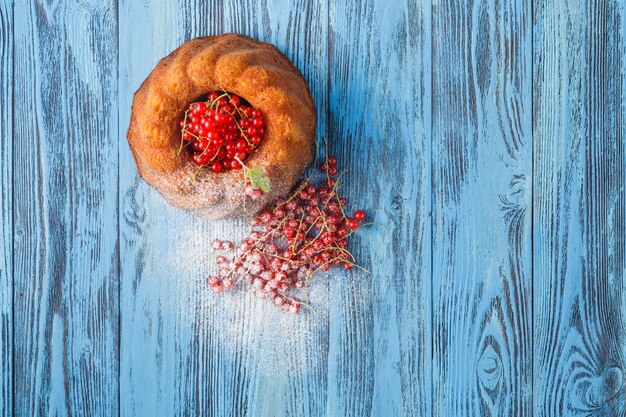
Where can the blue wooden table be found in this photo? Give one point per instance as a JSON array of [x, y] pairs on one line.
[[488, 138]]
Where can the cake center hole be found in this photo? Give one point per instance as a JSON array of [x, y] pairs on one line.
[[220, 130]]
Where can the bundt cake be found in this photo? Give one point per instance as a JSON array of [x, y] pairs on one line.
[[214, 70]]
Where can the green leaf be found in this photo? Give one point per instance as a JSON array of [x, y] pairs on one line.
[[258, 179]]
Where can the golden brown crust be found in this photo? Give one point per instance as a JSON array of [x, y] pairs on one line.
[[241, 65]]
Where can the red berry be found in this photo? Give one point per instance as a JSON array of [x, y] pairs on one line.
[[216, 122], [241, 145], [352, 224], [294, 308], [201, 158], [200, 145], [295, 238], [198, 108], [235, 100], [217, 166], [265, 217]]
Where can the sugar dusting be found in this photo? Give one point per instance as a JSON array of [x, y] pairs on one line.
[[237, 321]]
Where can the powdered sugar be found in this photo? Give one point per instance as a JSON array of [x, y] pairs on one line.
[[237, 322]]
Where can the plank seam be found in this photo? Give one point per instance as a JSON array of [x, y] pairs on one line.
[[11, 406], [532, 202], [432, 225], [119, 229], [328, 118]]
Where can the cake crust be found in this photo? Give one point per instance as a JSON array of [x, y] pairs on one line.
[[255, 71]]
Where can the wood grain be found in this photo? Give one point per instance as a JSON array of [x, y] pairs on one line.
[[379, 126], [482, 145], [65, 209], [298, 377], [6, 209], [226, 371], [486, 138], [153, 366], [580, 208]]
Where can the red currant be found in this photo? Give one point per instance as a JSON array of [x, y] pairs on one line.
[[201, 158], [235, 100], [235, 164], [224, 127], [352, 224], [294, 239], [217, 166]]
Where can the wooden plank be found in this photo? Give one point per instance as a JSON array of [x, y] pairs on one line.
[[482, 183], [579, 208], [158, 243], [6, 209], [284, 373], [380, 128], [149, 346], [180, 354], [66, 251]]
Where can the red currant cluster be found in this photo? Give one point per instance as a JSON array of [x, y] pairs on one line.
[[222, 131], [299, 236]]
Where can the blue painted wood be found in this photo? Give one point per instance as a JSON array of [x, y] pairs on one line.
[[580, 208], [151, 334], [294, 382], [380, 121], [497, 283], [223, 376], [65, 355], [482, 195], [6, 209]]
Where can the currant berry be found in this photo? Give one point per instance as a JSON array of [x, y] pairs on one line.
[[217, 166], [352, 223], [216, 123]]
